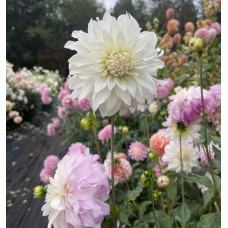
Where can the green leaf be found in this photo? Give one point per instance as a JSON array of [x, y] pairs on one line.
[[142, 207], [172, 192], [212, 220], [115, 210], [123, 217], [178, 213], [132, 195], [207, 196]]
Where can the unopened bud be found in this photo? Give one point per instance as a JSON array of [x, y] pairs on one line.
[[39, 192], [152, 155], [85, 124], [163, 181], [125, 130], [196, 44]]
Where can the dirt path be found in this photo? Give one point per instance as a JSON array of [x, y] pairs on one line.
[[26, 151]]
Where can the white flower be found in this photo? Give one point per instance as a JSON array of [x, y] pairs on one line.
[[189, 133], [189, 157], [153, 107], [114, 65]]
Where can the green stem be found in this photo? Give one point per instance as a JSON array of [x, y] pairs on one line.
[[112, 169], [205, 125], [182, 186], [97, 144], [152, 198], [147, 126]]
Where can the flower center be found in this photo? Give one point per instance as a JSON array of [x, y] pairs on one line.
[[118, 63]]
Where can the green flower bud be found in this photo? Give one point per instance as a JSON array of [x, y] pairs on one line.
[[163, 181], [125, 130], [85, 123], [196, 44], [39, 192], [152, 155]]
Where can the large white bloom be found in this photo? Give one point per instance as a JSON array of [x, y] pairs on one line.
[[189, 157], [114, 65]]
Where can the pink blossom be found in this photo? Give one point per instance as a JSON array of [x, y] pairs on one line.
[[106, 132], [56, 122], [176, 38], [217, 27], [203, 33], [170, 13], [203, 154], [78, 148], [50, 129], [212, 33], [122, 168], [158, 142], [45, 174], [157, 169], [68, 102], [51, 162], [162, 92], [82, 105], [169, 83], [76, 195], [189, 27], [62, 112], [63, 93], [137, 151]]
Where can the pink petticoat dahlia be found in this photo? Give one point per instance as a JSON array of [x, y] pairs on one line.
[[106, 132], [51, 129], [158, 142], [137, 151], [51, 162], [78, 147], [122, 168], [76, 195]]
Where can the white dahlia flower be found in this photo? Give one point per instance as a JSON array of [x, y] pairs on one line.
[[190, 157], [115, 64]]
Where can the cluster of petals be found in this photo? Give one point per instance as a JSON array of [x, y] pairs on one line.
[[115, 65], [172, 26], [82, 105], [50, 165], [122, 168], [45, 97], [161, 168], [185, 105], [213, 106], [53, 126], [172, 156], [68, 102], [137, 151], [163, 90], [78, 148], [106, 133], [158, 142], [62, 113], [170, 13], [77, 193]]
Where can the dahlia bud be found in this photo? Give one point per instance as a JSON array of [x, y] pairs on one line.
[[196, 44], [39, 192], [152, 155], [85, 124], [147, 178], [163, 181], [125, 130], [157, 194]]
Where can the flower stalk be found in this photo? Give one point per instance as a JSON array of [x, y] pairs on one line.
[[182, 186], [152, 199], [112, 168], [94, 132]]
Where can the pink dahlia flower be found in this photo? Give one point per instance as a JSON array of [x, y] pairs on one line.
[[106, 132], [51, 129], [203, 33], [217, 27], [62, 113], [82, 105], [176, 38], [68, 102], [137, 151], [56, 122], [63, 93], [78, 147], [122, 168], [76, 195], [170, 13], [160, 169], [189, 27], [162, 92], [158, 142], [51, 162], [169, 83], [45, 174]]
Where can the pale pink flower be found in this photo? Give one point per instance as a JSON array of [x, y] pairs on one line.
[[212, 33], [106, 132], [68, 102], [76, 195], [63, 93], [203, 33], [162, 92], [169, 83], [160, 169], [50, 129], [17, 119], [176, 38], [172, 26], [82, 105], [158, 142], [51, 162], [78, 148], [137, 151], [217, 27], [122, 168], [13, 114], [203, 154], [45, 174], [62, 112], [170, 13], [56, 122]]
